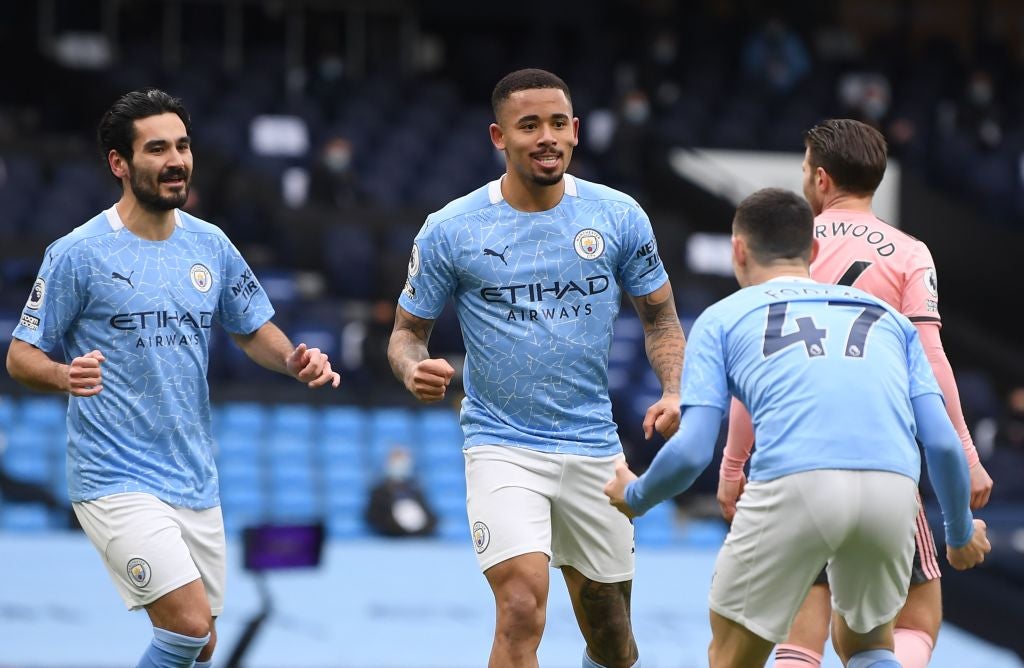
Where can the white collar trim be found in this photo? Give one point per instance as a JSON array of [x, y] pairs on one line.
[[114, 218]]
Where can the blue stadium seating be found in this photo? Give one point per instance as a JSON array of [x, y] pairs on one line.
[[24, 517]]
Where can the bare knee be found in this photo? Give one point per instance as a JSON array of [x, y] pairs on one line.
[[520, 612], [191, 625]]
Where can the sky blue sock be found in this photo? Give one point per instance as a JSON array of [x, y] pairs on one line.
[[874, 658], [203, 664], [172, 650], [590, 663]]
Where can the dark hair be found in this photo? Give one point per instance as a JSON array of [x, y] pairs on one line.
[[528, 79], [851, 152], [777, 224], [117, 127]]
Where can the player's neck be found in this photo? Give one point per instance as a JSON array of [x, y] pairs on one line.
[[847, 202], [143, 223], [530, 197], [758, 275]]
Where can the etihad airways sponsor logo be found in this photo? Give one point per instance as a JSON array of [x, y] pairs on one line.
[[161, 319], [539, 292]]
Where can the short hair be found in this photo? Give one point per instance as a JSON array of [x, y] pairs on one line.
[[116, 130], [776, 223], [851, 152], [527, 79]]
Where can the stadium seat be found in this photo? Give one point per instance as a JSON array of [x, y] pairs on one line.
[[295, 504], [243, 417], [24, 517], [27, 465], [44, 412]]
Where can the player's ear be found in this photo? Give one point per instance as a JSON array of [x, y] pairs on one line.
[[815, 247], [575, 131], [739, 250], [497, 136], [117, 163], [822, 181]]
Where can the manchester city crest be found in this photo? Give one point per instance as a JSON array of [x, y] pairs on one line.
[[202, 279], [589, 244], [481, 536], [139, 572]]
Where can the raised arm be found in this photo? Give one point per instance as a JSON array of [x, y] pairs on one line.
[[427, 379], [269, 347], [665, 343], [981, 482]]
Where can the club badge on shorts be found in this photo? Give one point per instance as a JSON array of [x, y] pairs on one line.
[[481, 537], [139, 572]]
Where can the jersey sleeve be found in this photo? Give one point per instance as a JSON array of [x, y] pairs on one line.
[[243, 306], [640, 268], [431, 280], [704, 376], [920, 298], [922, 378], [56, 300]]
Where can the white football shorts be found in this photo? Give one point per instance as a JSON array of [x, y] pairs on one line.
[[859, 523], [521, 501], [151, 548]]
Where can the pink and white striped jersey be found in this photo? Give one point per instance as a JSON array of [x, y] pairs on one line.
[[858, 249]]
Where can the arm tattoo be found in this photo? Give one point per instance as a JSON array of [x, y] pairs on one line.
[[663, 339], [408, 343]]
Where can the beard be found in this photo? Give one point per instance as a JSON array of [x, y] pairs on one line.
[[150, 198], [547, 179]]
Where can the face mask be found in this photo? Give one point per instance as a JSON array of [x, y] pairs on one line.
[[636, 111], [399, 468], [337, 160]]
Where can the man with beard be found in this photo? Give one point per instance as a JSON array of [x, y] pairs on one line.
[[536, 262], [131, 296]]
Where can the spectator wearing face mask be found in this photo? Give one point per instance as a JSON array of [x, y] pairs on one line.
[[333, 181], [397, 505]]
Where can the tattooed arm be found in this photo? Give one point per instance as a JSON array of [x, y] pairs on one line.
[[427, 379], [664, 341]]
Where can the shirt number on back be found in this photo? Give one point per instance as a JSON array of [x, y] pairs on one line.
[[812, 336], [853, 272]]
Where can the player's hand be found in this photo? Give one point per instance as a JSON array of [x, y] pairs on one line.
[[663, 417], [729, 492], [615, 490], [85, 378], [973, 553], [312, 367], [429, 379], [981, 486]]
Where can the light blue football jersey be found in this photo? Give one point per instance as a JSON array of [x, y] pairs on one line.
[[828, 373], [148, 306], [536, 295]]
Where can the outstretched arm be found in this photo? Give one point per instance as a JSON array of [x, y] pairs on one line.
[[665, 343], [674, 468], [981, 482], [427, 379]]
